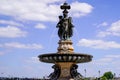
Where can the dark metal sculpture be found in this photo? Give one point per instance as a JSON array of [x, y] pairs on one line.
[[55, 75], [65, 24], [74, 73]]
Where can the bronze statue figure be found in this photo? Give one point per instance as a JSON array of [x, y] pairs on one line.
[[74, 73], [65, 24], [55, 74]]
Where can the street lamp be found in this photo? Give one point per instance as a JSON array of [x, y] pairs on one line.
[[85, 72], [99, 73], [114, 76]]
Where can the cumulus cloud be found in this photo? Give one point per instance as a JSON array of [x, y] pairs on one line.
[[40, 26], [10, 22], [11, 32], [113, 56], [80, 9], [21, 46], [108, 59], [40, 10], [33, 60], [113, 30], [102, 61], [103, 24], [98, 44]]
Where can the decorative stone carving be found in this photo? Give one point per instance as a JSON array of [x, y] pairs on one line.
[[65, 47], [65, 72]]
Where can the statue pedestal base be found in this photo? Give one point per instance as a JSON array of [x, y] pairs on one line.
[[65, 69]]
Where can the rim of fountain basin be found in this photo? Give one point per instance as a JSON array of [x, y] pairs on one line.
[[75, 58]]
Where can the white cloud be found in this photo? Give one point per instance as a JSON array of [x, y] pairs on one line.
[[21, 46], [33, 60], [80, 9], [10, 22], [40, 10], [108, 60], [102, 61], [113, 30], [98, 44], [40, 26], [102, 24], [12, 32], [113, 56]]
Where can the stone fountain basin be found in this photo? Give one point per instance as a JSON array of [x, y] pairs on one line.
[[75, 57]]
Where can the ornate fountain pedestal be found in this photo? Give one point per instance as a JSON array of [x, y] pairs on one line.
[[65, 59], [65, 70], [65, 47]]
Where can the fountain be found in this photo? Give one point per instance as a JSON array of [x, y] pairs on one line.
[[65, 59]]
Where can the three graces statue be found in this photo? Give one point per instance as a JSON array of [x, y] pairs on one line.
[[65, 24]]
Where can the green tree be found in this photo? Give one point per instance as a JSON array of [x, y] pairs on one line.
[[108, 75], [103, 78]]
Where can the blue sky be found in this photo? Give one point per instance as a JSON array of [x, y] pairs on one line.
[[28, 29]]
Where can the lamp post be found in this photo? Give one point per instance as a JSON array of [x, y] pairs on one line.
[[114, 76], [85, 72], [99, 73]]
